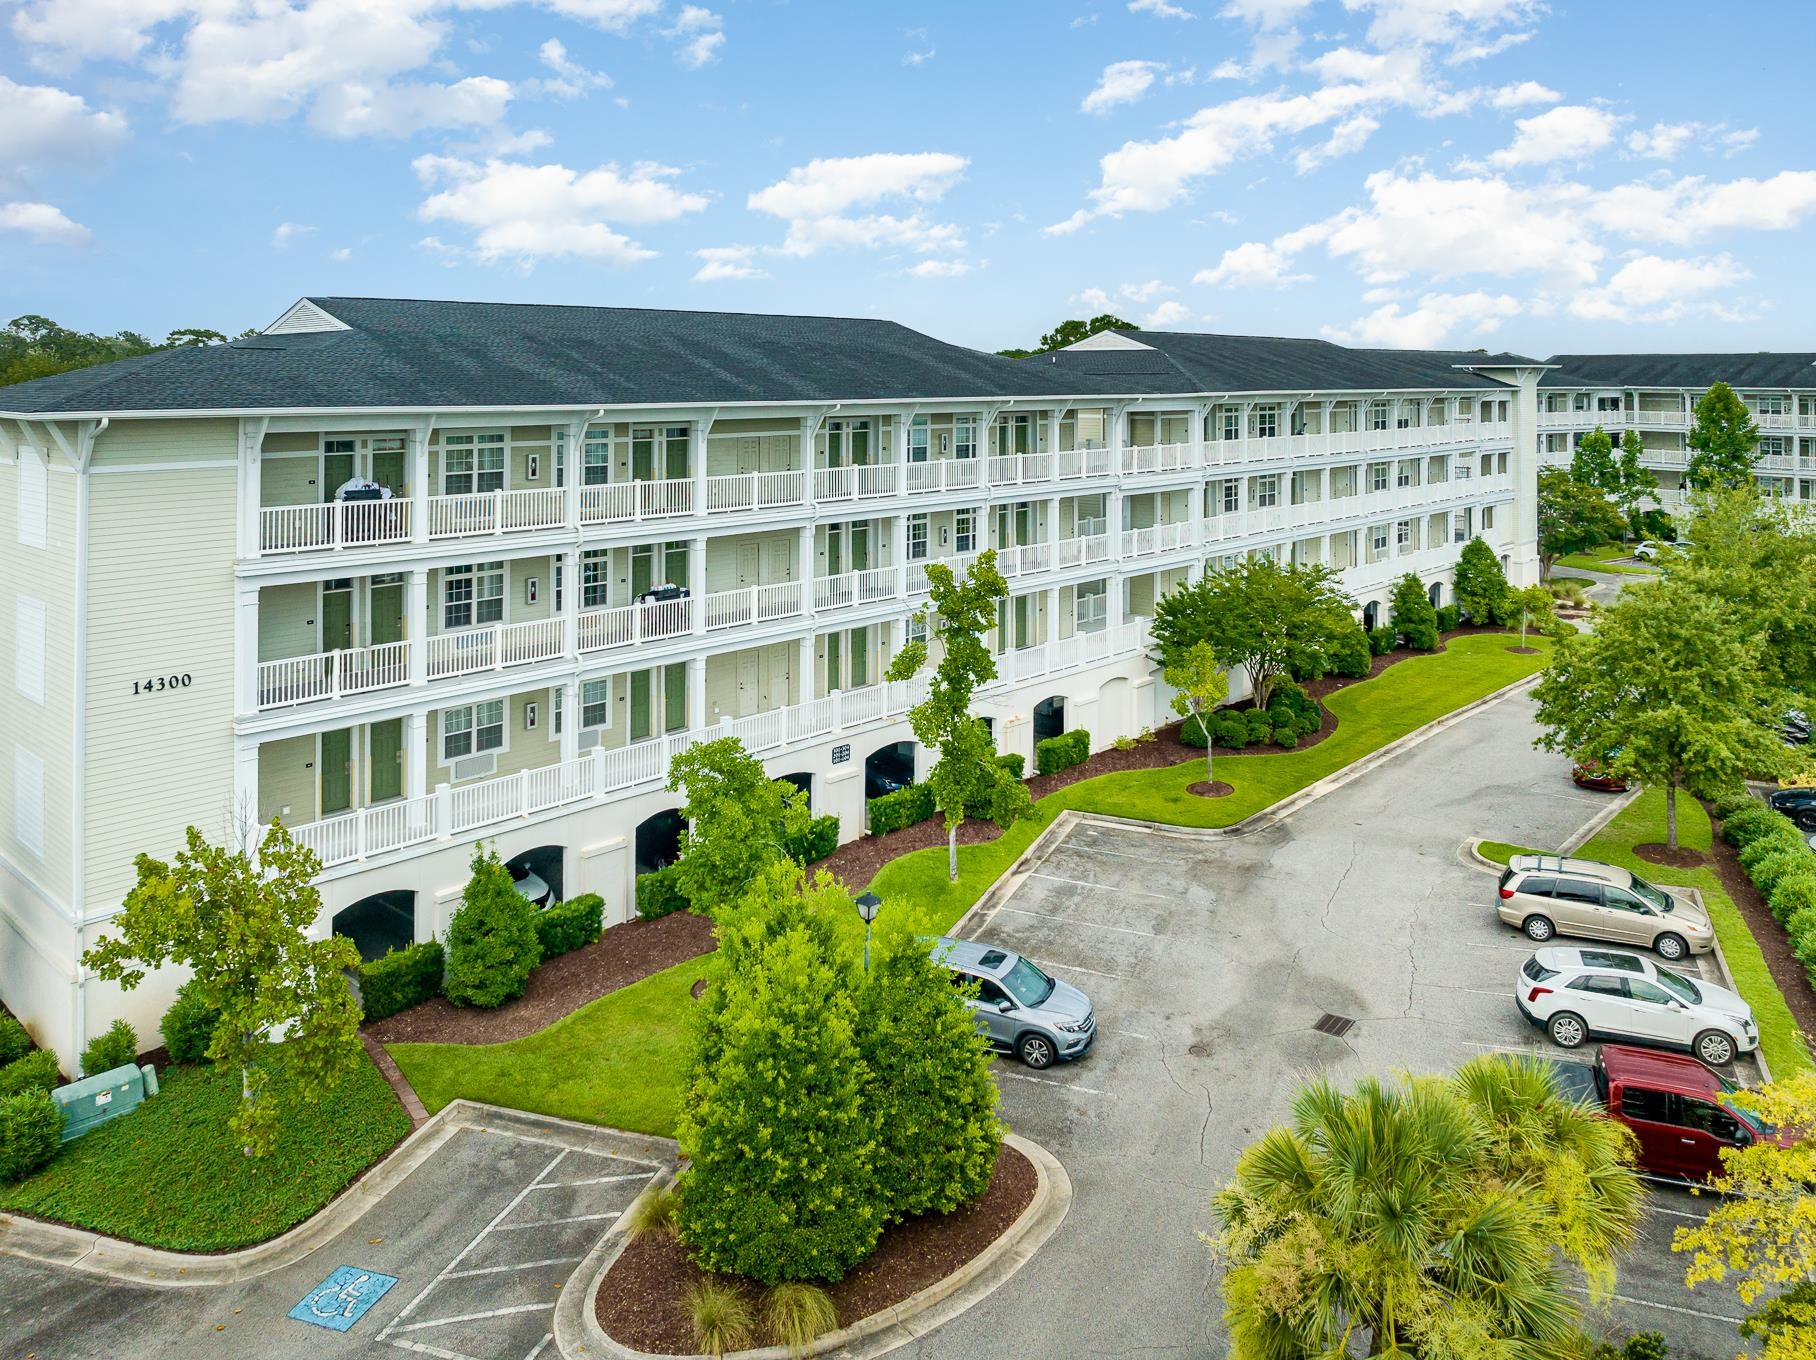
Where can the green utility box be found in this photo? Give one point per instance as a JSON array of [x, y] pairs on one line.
[[106, 1095]]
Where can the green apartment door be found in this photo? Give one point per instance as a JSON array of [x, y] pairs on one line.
[[336, 469], [337, 615], [388, 469], [641, 727], [385, 760], [385, 612], [335, 765]]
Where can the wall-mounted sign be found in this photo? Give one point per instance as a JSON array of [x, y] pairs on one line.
[[841, 754], [161, 682]]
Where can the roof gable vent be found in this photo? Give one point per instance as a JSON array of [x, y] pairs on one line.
[[1108, 340], [305, 318]]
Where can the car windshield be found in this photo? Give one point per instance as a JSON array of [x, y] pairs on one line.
[[1027, 983], [1747, 1117], [1680, 986], [1653, 896]]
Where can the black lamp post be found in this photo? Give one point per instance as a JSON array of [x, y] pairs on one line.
[[868, 905]]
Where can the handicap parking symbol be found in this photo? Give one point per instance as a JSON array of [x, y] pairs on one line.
[[343, 1298]]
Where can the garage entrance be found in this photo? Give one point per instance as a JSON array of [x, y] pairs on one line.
[[379, 923], [1050, 718], [889, 768], [538, 874], [659, 840]]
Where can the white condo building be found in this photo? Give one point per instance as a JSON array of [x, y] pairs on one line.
[[1656, 395], [410, 575]]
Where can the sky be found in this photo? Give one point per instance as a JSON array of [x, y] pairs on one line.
[[1540, 177]]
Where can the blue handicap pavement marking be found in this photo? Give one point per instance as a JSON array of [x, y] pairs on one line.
[[343, 1298]]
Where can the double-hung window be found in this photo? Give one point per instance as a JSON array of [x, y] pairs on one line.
[[1377, 541], [1403, 535], [1232, 424], [917, 538], [472, 595], [919, 432], [595, 578], [596, 458], [1267, 492], [472, 463], [964, 436], [1267, 422], [471, 730], [1377, 415], [1377, 476], [596, 703], [1408, 473], [964, 531], [1232, 497]]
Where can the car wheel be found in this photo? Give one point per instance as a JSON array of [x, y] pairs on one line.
[[1036, 1050], [1568, 1030], [1714, 1048], [1539, 929], [1671, 947]]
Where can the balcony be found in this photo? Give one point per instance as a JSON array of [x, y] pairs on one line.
[[494, 648], [631, 625], [1083, 550], [1157, 458], [855, 483], [856, 588], [330, 675], [1160, 538], [751, 491], [630, 502], [602, 775], [945, 474], [333, 525], [496, 512], [1024, 559], [753, 604]]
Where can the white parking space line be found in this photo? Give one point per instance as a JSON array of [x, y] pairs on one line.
[[524, 1265], [1666, 1307], [1048, 1081], [1074, 921], [1674, 1213], [554, 1222], [1102, 887], [1074, 968], [537, 1349], [594, 1180], [1090, 849], [478, 1317], [1473, 991], [1127, 1033], [424, 1348]]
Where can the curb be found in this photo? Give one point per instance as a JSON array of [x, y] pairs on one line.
[[578, 1333], [132, 1263]]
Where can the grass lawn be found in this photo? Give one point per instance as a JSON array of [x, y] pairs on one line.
[[1604, 559], [170, 1175], [615, 1061], [1500, 852], [1643, 821]]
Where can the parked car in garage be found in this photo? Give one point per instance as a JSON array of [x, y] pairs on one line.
[[1577, 994], [1676, 1108], [1020, 1009], [1546, 895], [1797, 804]]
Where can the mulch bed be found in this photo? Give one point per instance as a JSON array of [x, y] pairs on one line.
[[1524, 651], [1216, 790], [622, 955], [641, 1301], [1655, 852], [1786, 971]]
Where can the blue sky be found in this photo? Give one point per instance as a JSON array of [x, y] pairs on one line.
[[1541, 177]]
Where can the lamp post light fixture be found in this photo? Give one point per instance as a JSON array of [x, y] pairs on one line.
[[868, 906]]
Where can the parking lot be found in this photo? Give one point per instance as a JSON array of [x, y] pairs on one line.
[[1219, 967]]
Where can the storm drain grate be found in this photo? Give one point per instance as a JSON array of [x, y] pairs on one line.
[[1334, 1025]]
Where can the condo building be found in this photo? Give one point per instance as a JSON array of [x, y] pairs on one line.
[[411, 575], [1656, 395]]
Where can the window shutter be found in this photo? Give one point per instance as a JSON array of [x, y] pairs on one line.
[[28, 801], [29, 626], [34, 499]]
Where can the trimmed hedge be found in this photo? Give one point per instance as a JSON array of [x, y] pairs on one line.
[[904, 807], [1449, 616], [1783, 868], [116, 1048], [659, 894], [819, 840], [1350, 655], [36, 1071], [31, 1128], [188, 1026], [1014, 763], [1381, 641], [570, 925], [15, 1043], [1062, 752], [401, 979]]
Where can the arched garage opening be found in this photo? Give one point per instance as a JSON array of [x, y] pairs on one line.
[[538, 874], [1371, 615], [1436, 594], [889, 768], [1050, 717], [659, 840], [381, 922], [802, 781]]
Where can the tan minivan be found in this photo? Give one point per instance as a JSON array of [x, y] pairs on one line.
[[1546, 895]]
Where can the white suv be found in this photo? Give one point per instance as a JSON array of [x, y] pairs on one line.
[[1577, 993]]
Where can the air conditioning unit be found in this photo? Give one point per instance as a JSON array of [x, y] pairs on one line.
[[476, 767]]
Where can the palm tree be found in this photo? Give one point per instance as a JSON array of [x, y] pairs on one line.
[[1428, 1217]]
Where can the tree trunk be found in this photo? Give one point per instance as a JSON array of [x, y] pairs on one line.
[[952, 852], [1523, 614], [245, 1096], [1671, 814]]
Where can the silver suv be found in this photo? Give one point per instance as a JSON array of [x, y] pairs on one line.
[[1547, 895], [1019, 1008]]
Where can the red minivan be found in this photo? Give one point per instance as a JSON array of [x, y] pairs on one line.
[[1676, 1109]]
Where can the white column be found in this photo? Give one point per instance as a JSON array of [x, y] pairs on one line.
[[805, 663], [246, 786], [696, 462], [416, 624], [570, 602], [246, 645], [696, 694], [416, 754], [1115, 439], [1053, 528], [804, 563], [1114, 508], [696, 580], [419, 484], [1050, 623], [572, 471], [898, 538], [1054, 418], [251, 469], [567, 694]]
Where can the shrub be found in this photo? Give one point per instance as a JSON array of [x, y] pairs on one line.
[[1794, 893], [1257, 726], [1730, 803], [1293, 708], [1480, 584], [15, 1043], [401, 979], [659, 894], [1285, 738], [31, 1127], [1801, 927], [1412, 616], [1742, 827], [1350, 654], [819, 840], [1639, 1346], [797, 1315], [904, 807], [1780, 838], [1768, 872], [492, 945], [653, 1213], [1015, 763], [569, 925], [36, 1071], [1449, 616], [116, 1048], [720, 1317], [1381, 641], [188, 1026], [1062, 752], [1231, 731]]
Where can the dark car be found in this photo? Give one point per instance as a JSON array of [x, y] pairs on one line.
[[876, 784], [1794, 727], [1592, 774], [1797, 804]]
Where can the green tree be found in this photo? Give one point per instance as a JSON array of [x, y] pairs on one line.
[[193, 337], [966, 776], [1593, 462], [240, 923], [34, 346], [1668, 689], [1572, 517], [930, 1083], [1634, 484], [1762, 1228], [774, 1117], [492, 942], [1263, 616], [1535, 604], [1724, 438], [1070, 333], [1412, 615], [739, 821], [1754, 554], [1480, 584], [1199, 685], [1429, 1217]]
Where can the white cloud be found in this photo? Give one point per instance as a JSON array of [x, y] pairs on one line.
[[353, 109], [41, 125], [1168, 314], [44, 224], [701, 34], [1122, 82], [1160, 9], [1435, 322], [1094, 298], [1345, 139], [287, 232], [727, 262], [1567, 132], [571, 79], [1739, 140], [817, 199], [1261, 264], [1662, 141], [1440, 22], [529, 212], [1691, 208], [1465, 52], [1265, 13], [1649, 288], [941, 269], [919, 58], [1520, 95], [1145, 292], [342, 255]]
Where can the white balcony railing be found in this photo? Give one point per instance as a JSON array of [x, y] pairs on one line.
[[854, 483], [1021, 560], [753, 604], [854, 588], [755, 491], [1076, 552], [1016, 469], [495, 512], [631, 624], [1159, 538], [625, 502], [493, 648], [335, 524], [602, 774], [944, 474], [329, 675]]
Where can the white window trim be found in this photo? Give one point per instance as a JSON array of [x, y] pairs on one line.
[[441, 732], [610, 704], [473, 571]]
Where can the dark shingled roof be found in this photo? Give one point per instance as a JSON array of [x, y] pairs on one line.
[[1681, 370], [1178, 361], [399, 353]]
